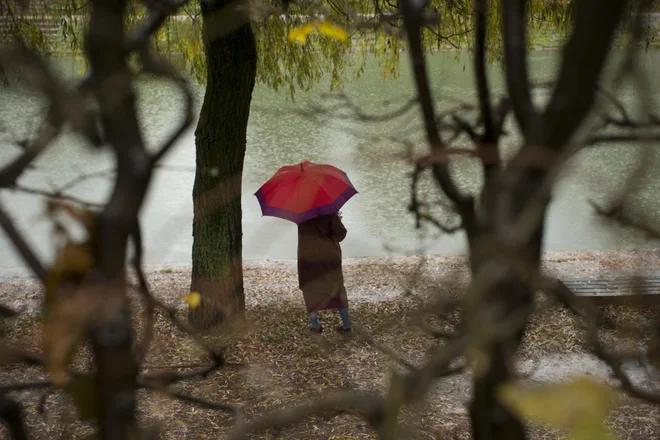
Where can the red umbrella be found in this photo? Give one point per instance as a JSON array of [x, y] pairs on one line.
[[304, 191]]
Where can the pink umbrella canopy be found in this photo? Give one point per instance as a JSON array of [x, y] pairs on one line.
[[304, 191]]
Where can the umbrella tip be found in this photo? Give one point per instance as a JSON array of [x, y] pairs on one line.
[[301, 166]]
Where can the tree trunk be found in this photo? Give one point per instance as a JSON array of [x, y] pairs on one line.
[[503, 204], [220, 139]]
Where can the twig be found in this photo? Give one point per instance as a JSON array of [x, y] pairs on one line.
[[11, 414], [162, 69], [463, 126], [194, 400], [159, 11], [616, 214], [488, 140], [416, 206], [24, 386], [360, 115], [618, 138], [364, 403], [21, 246], [386, 350], [10, 174], [515, 53], [412, 16], [6, 312], [150, 306], [84, 177], [56, 195], [582, 62], [151, 303]]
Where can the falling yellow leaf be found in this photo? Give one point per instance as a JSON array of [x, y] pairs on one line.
[[579, 406], [332, 30], [193, 299], [300, 34]]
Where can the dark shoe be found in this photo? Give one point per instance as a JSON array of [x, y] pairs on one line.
[[318, 330], [341, 329]]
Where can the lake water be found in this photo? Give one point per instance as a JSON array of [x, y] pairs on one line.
[[284, 132]]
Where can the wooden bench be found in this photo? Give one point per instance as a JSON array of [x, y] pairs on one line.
[[629, 290]]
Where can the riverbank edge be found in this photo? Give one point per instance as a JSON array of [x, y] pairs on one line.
[[368, 279], [591, 262]]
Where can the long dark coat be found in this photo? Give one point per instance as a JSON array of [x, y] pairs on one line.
[[319, 263]]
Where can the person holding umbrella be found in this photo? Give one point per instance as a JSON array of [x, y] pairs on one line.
[[311, 195]]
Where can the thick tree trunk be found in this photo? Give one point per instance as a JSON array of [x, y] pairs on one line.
[[220, 138], [503, 204]]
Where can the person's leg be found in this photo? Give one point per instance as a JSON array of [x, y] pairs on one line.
[[314, 318], [345, 320]]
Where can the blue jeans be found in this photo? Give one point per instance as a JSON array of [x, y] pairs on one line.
[[343, 314]]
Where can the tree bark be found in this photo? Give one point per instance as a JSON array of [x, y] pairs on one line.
[[112, 338], [503, 203], [220, 139]]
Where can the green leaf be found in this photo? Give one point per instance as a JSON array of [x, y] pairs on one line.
[[579, 406]]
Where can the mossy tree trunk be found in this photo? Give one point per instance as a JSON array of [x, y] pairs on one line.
[[220, 140]]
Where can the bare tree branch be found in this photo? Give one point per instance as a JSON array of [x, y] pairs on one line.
[[615, 213], [6, 312], [358, 113], [582, 63], [159, 11], [165, 378], [515, 53], [22, 247], [362, 403], [56, 196], [481, 23], [150, 306], [162, 69], [24, 386], [11, 414], [487, 142], [10, 173], [419, 209], [236, 412], [386, 350], [412, 12]]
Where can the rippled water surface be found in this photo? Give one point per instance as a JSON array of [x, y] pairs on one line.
[[325, 128]]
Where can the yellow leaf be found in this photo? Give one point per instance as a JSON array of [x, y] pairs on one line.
[[300, 34], [193, 299], [332, 30], [579, 406]]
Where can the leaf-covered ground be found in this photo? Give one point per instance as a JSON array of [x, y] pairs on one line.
[[281, 363]]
